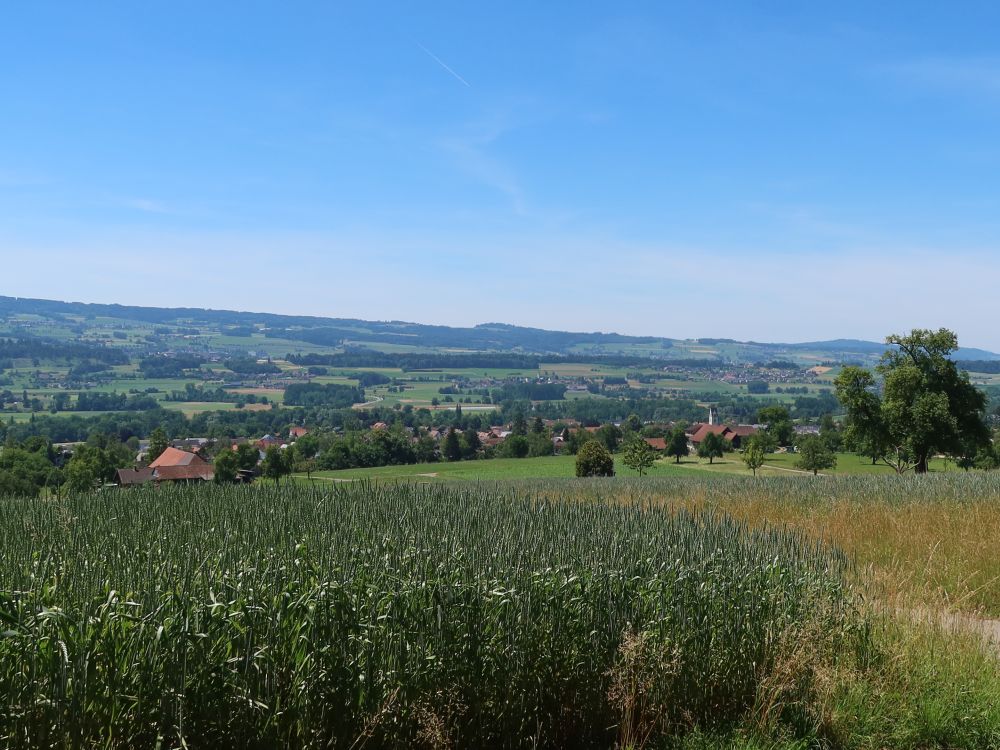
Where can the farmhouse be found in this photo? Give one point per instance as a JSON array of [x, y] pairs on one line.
[[173, 465], [735, 434]]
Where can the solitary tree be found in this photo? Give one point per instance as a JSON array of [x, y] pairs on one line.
[[594, 460], [677, 444], [926, 403], [753, 454], [275, 464], [638, 455], [814, 454], [712, 447]]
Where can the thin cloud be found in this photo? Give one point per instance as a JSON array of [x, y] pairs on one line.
[[952, 74], [441, 62], [146, 205]]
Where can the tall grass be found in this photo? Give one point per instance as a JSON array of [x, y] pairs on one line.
[[375, 616], [926, 541]]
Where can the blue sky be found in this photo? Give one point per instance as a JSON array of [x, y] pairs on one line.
[[769, 171]]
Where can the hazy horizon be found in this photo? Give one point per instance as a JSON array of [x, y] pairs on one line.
[[792, 174], [667, 335]]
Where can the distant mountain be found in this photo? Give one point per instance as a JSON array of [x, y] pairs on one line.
[[21, 316]]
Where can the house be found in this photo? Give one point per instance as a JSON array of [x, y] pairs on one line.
[[203, 472], [268, 441], [192, 445], [296, 432], [657, 444], [735, 434], [380, 426], [176, 457], [196, 471]]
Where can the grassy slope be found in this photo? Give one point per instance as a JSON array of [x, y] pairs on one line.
[[563, 466]]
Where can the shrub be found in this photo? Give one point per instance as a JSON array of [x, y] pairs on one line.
[[594, 460]]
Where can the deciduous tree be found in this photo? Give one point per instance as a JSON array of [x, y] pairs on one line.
[[753, 454], [926, 405], [638, 455], [814, 454], [594, 460], [677, 445], [712, 447]]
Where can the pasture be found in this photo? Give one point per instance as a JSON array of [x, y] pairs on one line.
[[548, 467]]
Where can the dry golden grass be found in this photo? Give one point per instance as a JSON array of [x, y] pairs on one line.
[[916, 542]]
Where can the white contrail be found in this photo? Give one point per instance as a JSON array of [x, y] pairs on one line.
[[440, 62]]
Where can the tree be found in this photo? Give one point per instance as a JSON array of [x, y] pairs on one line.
[[926, 404], [519, 426], [638, 455], [471, 443], [540, 444], [677, 444], [712, 447], [275, 464], [85, 470], [778, 423], [632, 424], [814, 454], [830, 433], [609, 435], [158, 443], [226, 466], [515, 446], [753, 454], [26, 471], [594, 460], [452, 448], [248, 456]]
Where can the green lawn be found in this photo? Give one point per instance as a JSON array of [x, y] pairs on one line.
[[491, 470], [563, 466], [784, 464]]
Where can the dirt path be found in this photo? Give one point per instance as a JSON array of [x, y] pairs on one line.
[[958, 622]]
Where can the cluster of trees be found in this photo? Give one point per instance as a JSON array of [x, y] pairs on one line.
[[247, 366], [410, 362], [388, 447], [529, 392], [169, 367], [38, 350], [100, 401], [323, 394], [30, 467], [193, 392]]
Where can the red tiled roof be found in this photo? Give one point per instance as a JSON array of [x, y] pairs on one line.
[[706, 429], [659, 444], [176, 457], [298, 432]]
